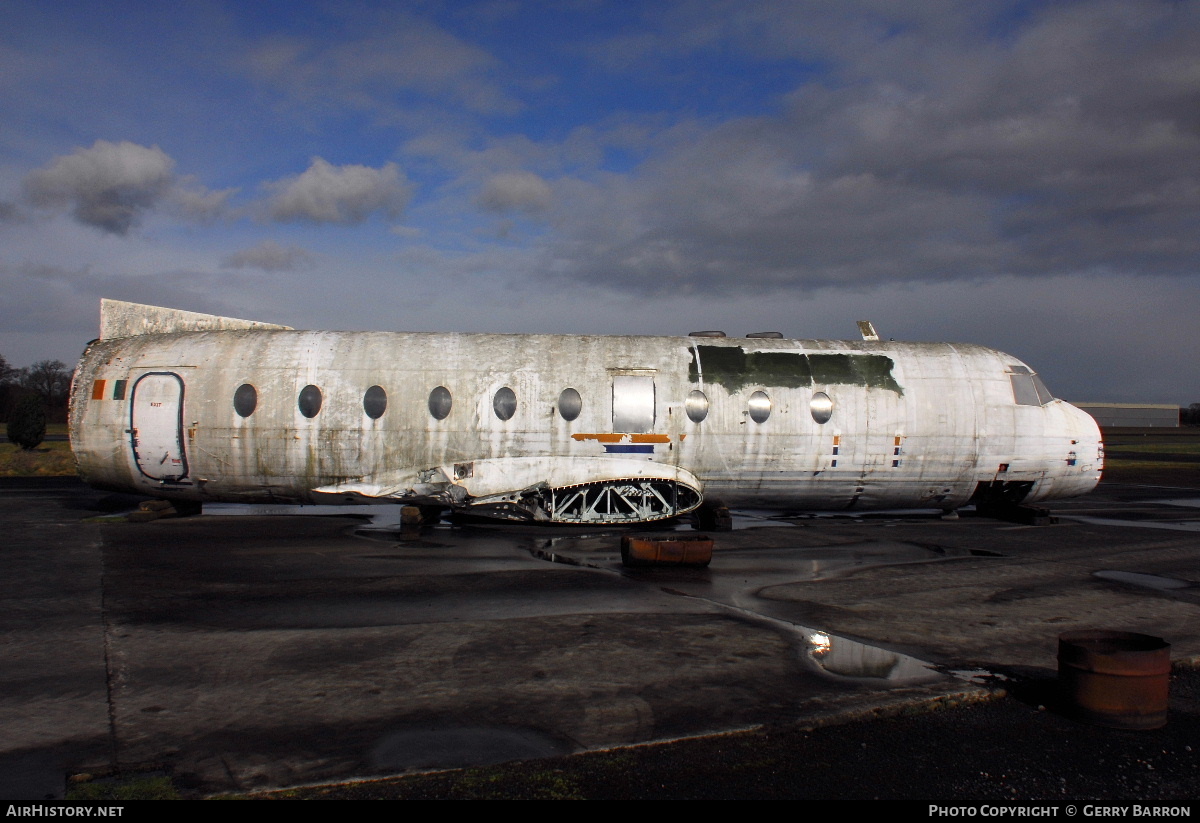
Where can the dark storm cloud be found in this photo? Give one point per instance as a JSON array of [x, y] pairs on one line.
[[269, 256], [108, 186], [111, 186], [371, 59], [930, 149], [60, 299], [9, 213], [515, 191]]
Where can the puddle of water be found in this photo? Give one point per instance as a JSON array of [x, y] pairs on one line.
[[979, 677], [741, 519], [460, 746], [1177, 526], [849, 659], [753, 519], [294, 510], [382, 518], [878, 513], [1149, 581]]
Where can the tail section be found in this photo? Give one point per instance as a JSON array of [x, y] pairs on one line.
[[121, 319]]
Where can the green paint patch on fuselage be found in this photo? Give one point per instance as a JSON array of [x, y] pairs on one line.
[[735, 369]]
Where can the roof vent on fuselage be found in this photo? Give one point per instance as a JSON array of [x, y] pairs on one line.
[[707, 334], [774, 335]]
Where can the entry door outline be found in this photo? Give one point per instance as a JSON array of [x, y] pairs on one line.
[[156, 427]]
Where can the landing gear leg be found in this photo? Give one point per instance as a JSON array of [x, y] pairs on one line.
[[714, 516]]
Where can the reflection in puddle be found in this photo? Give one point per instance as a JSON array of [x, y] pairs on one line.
[[754, 518], [379, 517], [850, 659], [739, 519], [1149, 581], [377, 514], [1175, 525], [457, 747]]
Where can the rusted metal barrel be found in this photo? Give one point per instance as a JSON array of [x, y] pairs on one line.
[[675, 550], [1115, 679]]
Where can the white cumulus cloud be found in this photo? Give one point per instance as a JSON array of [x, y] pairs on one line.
[[349, 194]]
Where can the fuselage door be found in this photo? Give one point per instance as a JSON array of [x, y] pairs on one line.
[[633, 403], [156, 426]]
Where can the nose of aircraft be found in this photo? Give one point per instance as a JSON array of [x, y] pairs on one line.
[[1089, 448]]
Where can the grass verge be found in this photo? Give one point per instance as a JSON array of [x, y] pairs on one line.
[[47, 460]]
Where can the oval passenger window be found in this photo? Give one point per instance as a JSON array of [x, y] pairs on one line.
[[821, 407], [570, 404], [375, 402], [440, 403], [696, 406], [760, 407], [245, 400], [310, 401], [505, 403]]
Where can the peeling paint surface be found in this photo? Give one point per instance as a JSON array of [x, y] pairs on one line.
[[735, 368]]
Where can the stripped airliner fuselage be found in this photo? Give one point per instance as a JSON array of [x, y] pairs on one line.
[[564, 428]]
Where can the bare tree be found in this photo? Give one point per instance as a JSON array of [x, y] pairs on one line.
[[7, 373], [50, 380]]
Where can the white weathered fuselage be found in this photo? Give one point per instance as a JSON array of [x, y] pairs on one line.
[[910, 424]]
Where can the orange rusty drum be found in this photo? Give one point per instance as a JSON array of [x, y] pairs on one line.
[[1115, 679], [675, 550]]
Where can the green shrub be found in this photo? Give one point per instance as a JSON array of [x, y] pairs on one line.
[[27, 426]]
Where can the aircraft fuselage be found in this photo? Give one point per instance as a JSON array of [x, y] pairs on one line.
[[571, 428]]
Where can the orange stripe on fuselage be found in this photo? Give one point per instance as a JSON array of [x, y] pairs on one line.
[[624, 438]]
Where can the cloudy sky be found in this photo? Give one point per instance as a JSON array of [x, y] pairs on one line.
[[1025, 175]]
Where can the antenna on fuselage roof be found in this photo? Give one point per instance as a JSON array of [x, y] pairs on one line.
[[867, 329]]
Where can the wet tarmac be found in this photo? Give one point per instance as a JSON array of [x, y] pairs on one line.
[[243, 651]]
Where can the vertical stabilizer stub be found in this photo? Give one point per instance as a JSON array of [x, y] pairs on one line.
[[121, 319]]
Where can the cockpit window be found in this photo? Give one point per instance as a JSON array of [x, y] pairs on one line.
[[1028, 388], [1043, 393]]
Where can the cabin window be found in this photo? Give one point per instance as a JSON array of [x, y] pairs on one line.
[[375, 402], [696, 406], [821, 407], [310, 401], [504, 403], [570, 404], [440, 403], [245, 400], [760, 407]]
